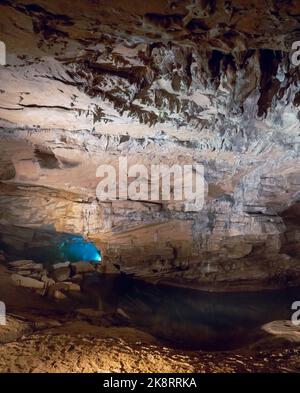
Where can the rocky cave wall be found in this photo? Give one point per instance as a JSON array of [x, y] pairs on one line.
[[207, 82]]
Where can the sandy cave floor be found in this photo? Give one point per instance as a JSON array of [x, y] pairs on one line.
[[81, 347]]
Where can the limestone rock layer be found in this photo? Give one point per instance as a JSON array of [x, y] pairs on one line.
[[158, 82]]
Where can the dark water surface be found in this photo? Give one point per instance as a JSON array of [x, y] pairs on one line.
[[191, 319]]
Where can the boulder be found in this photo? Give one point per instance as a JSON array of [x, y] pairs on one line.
[[77, 278], [60, 265], [277, 335], [83, 267], [20, 263], [71, 286], [36, 267], [63, 286], [26, 265], [24, 272], [36, 275], [47, 280], [61, 273], [41, 292], [27, 282], [57, 294]]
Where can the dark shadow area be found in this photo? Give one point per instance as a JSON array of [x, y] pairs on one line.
[[291, 237], [190, 319]]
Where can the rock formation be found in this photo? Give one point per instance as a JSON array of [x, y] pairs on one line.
[[208, 82]]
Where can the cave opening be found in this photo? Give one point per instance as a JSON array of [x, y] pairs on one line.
[[49, 246], [74, 248]]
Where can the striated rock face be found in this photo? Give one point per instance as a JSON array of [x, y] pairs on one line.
[[208, 82]]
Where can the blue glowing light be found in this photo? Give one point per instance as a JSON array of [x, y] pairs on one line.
[[75, 248]]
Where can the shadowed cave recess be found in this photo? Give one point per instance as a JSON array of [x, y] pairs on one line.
[[158, 82]]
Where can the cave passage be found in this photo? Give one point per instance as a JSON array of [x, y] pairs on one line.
[[75, 248], [53, 247]]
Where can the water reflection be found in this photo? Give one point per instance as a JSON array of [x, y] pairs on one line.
[[188, 318]]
